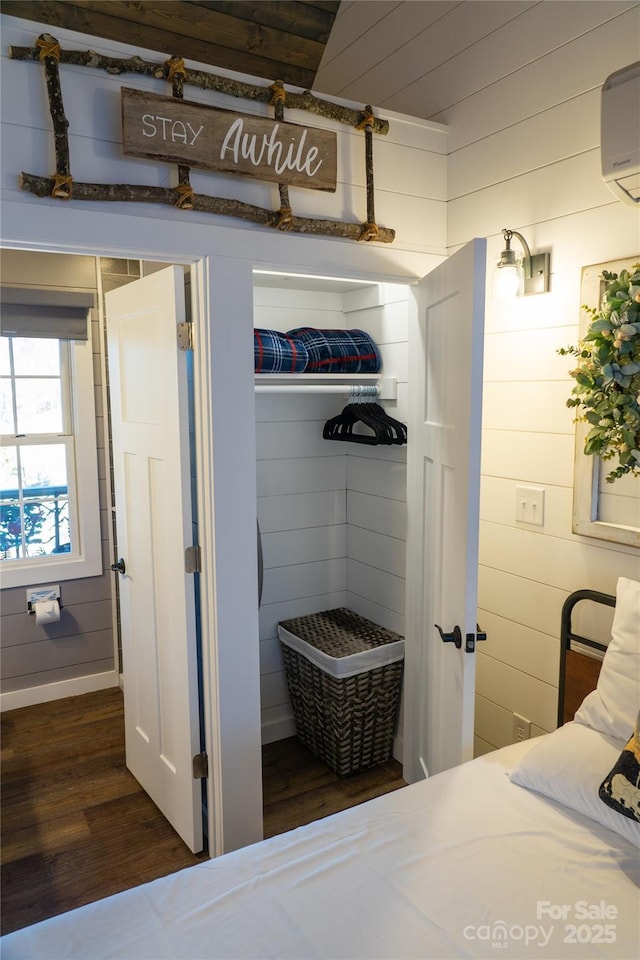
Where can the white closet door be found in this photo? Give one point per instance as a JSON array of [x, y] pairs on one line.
[[150, 428], [445, 347]]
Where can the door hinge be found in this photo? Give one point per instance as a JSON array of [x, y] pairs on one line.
[[200, 766], [192, 560], [184, 332]]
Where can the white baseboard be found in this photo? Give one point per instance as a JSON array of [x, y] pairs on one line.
[[278, 729], [14, 699]]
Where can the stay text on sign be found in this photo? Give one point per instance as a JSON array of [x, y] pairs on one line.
[[180, 131]]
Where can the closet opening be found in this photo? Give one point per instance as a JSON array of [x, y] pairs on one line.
[[332, 518]]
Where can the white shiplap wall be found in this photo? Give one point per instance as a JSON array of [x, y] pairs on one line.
[[377, 475], [301, 501], [332, 516], [525, 154], [377, 478]]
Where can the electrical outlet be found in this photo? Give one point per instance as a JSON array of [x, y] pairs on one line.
[[521, 728], [530, 505]]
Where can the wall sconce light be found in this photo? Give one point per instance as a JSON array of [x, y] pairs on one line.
[[516, 277]]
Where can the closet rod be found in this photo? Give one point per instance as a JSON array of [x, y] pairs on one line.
[[386, 387], [340, 388]]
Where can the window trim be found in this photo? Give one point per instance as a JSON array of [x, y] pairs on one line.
[[87, 562]]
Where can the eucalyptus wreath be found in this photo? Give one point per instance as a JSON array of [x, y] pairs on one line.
[[607, 390]]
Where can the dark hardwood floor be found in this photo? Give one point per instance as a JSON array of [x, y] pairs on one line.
[[298, 788], [77, 826]]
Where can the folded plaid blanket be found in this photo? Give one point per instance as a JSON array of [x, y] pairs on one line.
[[275, 352], [338, 351]]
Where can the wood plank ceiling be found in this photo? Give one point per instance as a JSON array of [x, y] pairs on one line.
[[273, 40], [417, 57]]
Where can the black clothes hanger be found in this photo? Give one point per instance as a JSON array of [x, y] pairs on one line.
[[376, 417], [399, 428], [341, 427], [385, 430]]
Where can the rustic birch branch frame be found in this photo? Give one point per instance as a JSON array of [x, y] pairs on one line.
[[177, 72], [61, 185]]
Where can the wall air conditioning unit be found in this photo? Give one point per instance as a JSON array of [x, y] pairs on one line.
[[620, 133]]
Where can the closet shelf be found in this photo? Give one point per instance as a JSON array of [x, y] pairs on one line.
[[339, 383]]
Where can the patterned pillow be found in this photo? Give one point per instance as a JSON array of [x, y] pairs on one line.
[[620, 789]]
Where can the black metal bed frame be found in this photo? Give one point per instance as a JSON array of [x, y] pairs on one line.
[[567, 635]]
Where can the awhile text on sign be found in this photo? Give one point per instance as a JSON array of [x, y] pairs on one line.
[[180, 131]]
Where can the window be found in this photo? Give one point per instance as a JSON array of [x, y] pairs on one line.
[[49, 508]]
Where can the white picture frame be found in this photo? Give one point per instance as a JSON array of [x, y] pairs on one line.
[[590, 519]]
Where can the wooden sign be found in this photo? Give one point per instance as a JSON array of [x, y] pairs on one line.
[[180, 131]]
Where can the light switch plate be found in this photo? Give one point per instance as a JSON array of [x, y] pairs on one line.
[[530, 505]]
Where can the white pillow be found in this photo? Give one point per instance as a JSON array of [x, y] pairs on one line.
[[613, 706], [568, 766]]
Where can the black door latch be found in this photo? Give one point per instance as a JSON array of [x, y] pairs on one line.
[[456, 637], [471, 638]]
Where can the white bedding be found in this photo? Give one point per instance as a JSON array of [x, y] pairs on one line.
[[467, 864]]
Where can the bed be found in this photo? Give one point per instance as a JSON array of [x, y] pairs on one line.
[[512, 854]]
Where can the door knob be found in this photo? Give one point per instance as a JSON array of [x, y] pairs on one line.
[[119, 567], [454, 637]]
